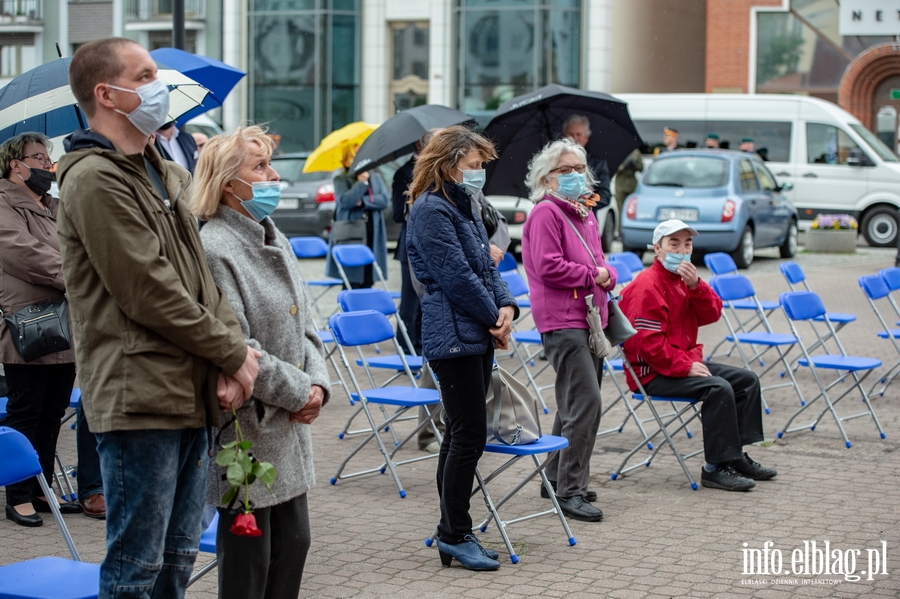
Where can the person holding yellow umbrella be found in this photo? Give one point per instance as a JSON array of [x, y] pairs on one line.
[[361, 198]]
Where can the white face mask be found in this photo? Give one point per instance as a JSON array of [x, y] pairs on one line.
[[153, 110]]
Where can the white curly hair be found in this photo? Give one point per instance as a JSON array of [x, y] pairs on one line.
[[547, 159]]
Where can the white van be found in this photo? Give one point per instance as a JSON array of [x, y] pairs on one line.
[[835, 164]]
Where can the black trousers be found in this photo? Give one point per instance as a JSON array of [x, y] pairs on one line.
[[463, 382], [266, 567], [38, 398], [410, 309], [731, 408]]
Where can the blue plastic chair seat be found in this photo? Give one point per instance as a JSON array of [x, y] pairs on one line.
[[208, 538], [895, 333], [751, 305], [523, 303], [837, 317], [545, 444], [75, 398], [400, 396], [3, 401], [325, 336], [325, 282], [393, 362], [526, 337], [640, 397], [839, 362], [50, 578], [761, 338], [616, 364]]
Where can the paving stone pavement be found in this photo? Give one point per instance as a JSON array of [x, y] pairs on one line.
[[659, 538]]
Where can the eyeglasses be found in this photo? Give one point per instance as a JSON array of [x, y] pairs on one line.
[[40, 157], [567, 170]]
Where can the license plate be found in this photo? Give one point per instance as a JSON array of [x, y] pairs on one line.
[[288, 204], [685, 214]]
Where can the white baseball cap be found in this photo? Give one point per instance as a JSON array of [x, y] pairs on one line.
[[668, 227]]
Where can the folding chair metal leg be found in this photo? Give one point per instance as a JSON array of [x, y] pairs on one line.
[[54, 507], [62, 481], [623, 398], [203, 571]]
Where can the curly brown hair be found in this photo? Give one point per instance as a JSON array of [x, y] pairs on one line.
[[437, 161]]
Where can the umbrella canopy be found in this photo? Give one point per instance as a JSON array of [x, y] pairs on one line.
[[328, 155], [399, 134], [216, 76], [41, 100], [526, 123]]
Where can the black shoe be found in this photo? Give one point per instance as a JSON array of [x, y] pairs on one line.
[[579, 509], [64, 508], [726, 478], [748, 468], [590, 496], [32, 520]]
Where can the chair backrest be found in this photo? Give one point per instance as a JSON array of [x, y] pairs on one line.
[[360, 328], [355, 300], [792, 272], [891, 277], [3, 401], [353, 254], [309, 247], [732, 287], [720, 263], [801, 305], [20, 460], [630, 259], [516, 283], [508, 263], [874, 287], [623, 271]]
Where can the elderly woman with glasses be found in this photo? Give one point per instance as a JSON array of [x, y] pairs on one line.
[[564, 261], [31, 273]]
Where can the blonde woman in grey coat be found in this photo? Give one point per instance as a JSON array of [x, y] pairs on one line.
[[235, 189]]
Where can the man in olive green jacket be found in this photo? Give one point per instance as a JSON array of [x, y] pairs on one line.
[[159, 348]]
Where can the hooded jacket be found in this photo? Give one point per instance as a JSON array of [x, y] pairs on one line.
[[152, 329], [30, 264]]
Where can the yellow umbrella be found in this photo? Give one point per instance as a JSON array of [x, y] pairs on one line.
[[330, 153]]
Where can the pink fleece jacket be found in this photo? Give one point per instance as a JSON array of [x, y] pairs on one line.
[[560, 271]]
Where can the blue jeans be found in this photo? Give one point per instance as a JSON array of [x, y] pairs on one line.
[[155, 483]]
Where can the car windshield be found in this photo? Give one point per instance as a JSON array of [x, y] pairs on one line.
[[876, 144], [291, 169], [688, 171]]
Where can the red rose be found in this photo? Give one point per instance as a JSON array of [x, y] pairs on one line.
[[244, 525]]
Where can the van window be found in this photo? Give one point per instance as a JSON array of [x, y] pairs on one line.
[[876, 144], [766, 180], [688, 171], [826, 144], [771, 138], [748, 177]]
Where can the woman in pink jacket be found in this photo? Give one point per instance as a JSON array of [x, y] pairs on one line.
[[564, 262]]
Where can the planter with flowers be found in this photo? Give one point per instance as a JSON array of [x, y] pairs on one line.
[[832, 233]]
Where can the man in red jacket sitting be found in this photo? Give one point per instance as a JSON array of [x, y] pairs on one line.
[[667, 303]]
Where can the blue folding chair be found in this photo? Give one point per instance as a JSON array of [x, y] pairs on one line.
[[207, 545], [875, 289], [44, 577], [519, 288], [629, 259], [508, 264], [738, 288], [804, 306], [795, 276], [352, 255], [352, 329], [307, 248], [891, 278]]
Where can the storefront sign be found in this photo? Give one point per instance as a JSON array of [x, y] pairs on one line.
[[869, 17]]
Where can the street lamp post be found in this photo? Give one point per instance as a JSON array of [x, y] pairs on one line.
[[178, 24]]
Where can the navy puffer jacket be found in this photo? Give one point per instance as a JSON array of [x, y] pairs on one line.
[[450, 254]]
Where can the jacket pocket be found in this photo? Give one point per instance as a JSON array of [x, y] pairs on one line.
[[158, 376], [467, 329]]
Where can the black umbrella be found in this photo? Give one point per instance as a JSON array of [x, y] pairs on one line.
[[398, 135], [526, 123]]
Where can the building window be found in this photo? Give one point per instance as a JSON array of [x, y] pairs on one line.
[[163, 39], [409, 73], [510, 47], [304, 75], [16, 58]]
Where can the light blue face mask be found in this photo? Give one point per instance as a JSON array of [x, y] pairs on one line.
[[673, 260], [571, 186], [473, 180], [266, 195]]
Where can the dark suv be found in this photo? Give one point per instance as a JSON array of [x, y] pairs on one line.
[[307, 199]]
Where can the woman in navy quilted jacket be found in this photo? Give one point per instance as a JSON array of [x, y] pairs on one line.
[[467, 311]]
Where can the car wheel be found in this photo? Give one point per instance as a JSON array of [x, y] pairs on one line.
[[789, 247], [880, 226], [743, 253], [609, 232]]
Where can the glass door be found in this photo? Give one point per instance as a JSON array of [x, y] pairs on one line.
[[409, 65]]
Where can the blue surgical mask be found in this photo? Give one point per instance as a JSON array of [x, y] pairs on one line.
[[266, 195], [571, 186], [153, 110], [473, 180], [673, 260]]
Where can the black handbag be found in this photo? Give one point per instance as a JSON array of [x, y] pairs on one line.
[[491, 218], [40, 330], [349, 231]]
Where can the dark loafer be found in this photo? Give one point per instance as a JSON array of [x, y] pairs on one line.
[[747, 468], [94, 506], [579, 509], [590, 496], [31, 521], [64, 508]]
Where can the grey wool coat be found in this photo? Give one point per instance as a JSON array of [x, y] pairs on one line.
[[254, 265]]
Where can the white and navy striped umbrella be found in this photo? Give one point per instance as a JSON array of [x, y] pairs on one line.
[[41, 100]]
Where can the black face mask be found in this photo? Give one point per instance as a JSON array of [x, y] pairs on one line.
[[39, 181]]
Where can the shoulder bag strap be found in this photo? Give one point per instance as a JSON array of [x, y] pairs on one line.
[[574, 228]]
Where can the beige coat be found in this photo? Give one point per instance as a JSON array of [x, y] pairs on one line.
[[30, 264]]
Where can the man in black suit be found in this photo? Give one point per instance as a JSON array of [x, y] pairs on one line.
[[177, 146]]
